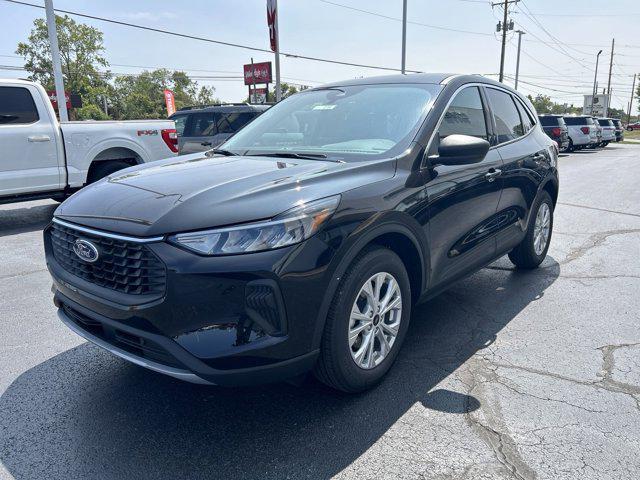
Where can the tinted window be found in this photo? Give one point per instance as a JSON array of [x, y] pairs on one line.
[[527, 122], [465, 115], [16, 106], [578, 121], [181, 121], [508, 123], [549, 121], [202, 125], [232, 122], [605, 123]]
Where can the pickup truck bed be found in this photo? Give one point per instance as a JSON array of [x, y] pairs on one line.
[[42, 158]]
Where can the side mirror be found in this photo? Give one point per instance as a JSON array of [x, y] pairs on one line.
[[461, 150]]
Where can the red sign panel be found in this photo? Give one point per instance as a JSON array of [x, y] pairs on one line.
[[54, 99], [257, 73]]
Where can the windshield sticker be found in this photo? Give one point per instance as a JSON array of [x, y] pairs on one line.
[[324, 107]]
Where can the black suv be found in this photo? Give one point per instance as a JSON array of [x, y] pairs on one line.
[[556, 128], [203, 128], [304, 242]]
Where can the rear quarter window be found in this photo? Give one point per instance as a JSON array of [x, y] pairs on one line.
[[17, 106]]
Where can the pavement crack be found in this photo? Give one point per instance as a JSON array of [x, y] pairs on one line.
[[617, 212], [22, 274], [594, 241]]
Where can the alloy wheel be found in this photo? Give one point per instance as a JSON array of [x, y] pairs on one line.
[[375, 320], [541, 228]]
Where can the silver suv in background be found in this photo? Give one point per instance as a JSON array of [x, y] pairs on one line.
[[203, 128], [608, 131], [583, 132]]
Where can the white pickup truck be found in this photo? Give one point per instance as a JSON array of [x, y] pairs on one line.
[[41, 158]]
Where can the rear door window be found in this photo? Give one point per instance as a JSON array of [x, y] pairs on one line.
[[201, 125], [17, 106], [232, 122], [508, 123]]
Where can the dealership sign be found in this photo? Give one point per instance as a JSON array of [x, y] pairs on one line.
[[257, 73], [73, 100], [597, 105]]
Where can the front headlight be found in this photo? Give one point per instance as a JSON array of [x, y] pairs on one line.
[[288, 228]]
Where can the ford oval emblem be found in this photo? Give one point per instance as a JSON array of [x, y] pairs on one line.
[[85, 250]]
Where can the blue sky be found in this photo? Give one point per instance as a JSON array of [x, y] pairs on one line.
[[322, 29]]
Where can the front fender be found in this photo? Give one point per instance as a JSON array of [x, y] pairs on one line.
[[363, 235]]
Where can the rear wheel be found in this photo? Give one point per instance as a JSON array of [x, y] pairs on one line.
[[570, 148], [367, 322], [104, 169], [533, 249]]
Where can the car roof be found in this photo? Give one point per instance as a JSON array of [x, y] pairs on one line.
[[551, 115], [426, 78]]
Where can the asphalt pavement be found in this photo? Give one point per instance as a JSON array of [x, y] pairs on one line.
[[506, 375]]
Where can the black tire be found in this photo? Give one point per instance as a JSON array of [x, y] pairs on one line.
[[105, 168], [570, 147], [336, 366], [524, 255]]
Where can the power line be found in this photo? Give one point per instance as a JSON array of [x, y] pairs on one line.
[[375, 14], [210, 40]]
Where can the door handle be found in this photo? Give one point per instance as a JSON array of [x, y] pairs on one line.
[[492, 174], [206, 144], [39, 138]]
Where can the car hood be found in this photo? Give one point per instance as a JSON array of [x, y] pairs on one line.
[[199, 191]]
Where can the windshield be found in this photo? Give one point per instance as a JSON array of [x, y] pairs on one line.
[[344, 123]]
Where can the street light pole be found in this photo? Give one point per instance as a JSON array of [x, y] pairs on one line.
[[404, 36], [520, 33], [595, 79], [55, 59]]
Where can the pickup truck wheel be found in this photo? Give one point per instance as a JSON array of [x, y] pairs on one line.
[[103, 169], [367, 322], [533, 249]]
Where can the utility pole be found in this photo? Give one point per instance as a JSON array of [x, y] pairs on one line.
[[505, 27], [520, 33], [631, 101], [595, 82], [404, 36], [55, 58], [613, 44]]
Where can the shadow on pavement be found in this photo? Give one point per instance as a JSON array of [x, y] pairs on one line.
[[25, 219], [86, 414]]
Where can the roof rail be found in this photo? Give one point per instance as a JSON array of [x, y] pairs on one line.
[[195, 107]]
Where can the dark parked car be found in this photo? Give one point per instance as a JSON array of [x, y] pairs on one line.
[[202, 128], [305, 241], [619, 130], [555, 127]]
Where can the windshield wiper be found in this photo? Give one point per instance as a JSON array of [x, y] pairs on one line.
[[221, 151], [306, 156]]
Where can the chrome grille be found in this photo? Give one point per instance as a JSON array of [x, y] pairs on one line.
[[123, 266]]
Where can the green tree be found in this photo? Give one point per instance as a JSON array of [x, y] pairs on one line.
[[81, 55], [542, 103], [141, 96]]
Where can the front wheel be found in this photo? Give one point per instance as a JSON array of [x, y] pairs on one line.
[[367, 322], [533, 249]]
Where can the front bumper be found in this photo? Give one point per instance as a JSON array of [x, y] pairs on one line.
[[234, 320]]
